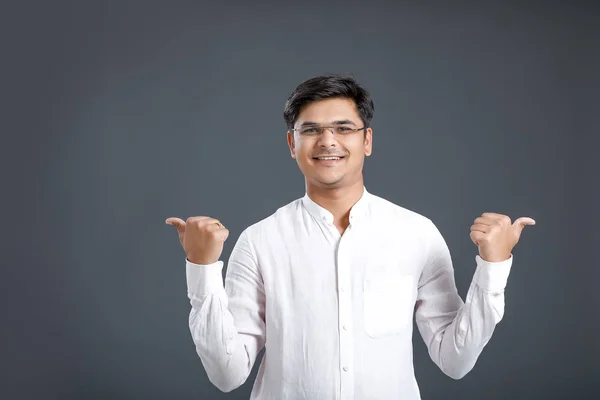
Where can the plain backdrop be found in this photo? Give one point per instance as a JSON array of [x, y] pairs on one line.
[[119, 114]]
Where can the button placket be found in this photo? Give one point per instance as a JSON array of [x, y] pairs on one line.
[[345, 320]]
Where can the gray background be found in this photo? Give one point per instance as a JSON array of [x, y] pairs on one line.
[[116, 115]]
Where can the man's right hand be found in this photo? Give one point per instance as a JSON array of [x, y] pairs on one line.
[[202, 238]]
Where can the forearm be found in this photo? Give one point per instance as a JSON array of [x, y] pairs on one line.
[[227, 351], [457, 332], [221, 349], [457, 348]]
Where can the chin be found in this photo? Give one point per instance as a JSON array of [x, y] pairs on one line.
[[329, 182]]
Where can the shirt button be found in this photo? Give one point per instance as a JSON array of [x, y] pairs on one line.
[[343, 289], [345, 368], [345, 327]]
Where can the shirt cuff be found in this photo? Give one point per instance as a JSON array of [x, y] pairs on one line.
[[203, 280], [492, 276]]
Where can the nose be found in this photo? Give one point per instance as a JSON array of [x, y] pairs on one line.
[[327, 138]]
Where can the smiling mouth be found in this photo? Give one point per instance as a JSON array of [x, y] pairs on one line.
[[328, 158]]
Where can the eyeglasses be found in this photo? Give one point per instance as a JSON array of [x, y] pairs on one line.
[[318, 130]]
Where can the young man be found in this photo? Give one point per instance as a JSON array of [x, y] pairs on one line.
[[328, 284]]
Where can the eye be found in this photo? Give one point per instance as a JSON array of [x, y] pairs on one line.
[[309, 130], [343, 129]]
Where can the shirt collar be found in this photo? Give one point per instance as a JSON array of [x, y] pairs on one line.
[[356, 212]]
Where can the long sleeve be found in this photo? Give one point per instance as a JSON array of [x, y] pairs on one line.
[[227, 322], [456, 332]]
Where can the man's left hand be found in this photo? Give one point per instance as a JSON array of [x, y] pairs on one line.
[[496, 236]]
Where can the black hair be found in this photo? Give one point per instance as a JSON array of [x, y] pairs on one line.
[[328, 87]]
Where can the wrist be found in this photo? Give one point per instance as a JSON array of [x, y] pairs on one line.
[[195, 259], [494, 258]]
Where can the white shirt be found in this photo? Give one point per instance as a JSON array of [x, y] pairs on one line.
[[335, 312]]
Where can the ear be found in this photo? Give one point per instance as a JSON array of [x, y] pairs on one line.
[[368, 142], [291, 143]]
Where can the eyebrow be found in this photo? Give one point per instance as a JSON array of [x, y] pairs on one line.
[[338, 122]]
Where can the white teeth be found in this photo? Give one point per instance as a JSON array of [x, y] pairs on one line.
[[329, 158]]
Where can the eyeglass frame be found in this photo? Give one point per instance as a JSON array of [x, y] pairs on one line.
[[322, 128]]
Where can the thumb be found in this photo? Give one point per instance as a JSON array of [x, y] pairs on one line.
[[520, 223], [176, 222]]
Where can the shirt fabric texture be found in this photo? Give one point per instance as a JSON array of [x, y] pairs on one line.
[[335, 312]]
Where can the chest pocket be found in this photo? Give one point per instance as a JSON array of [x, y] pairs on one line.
[[388, 304]]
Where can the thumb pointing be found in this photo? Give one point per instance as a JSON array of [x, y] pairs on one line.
[[520, 223], [176, 222]]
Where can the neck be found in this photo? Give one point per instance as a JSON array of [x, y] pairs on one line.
[[338, 201]]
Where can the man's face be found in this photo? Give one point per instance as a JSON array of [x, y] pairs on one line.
[[309, 148]]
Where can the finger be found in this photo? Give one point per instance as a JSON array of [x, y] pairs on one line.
[[522, 222], [485, 221], [477, 237], [196, 219], [202, 221], [176, 222], [213, 225], [480, 228], [493, 216], [222, 234]]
